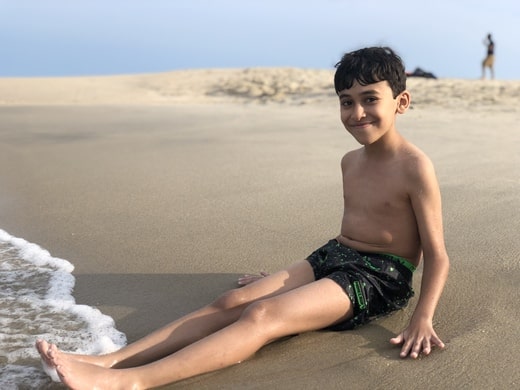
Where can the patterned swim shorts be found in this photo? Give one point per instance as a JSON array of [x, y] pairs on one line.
[[377, 284]]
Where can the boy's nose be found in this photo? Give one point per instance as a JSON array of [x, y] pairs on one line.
[[359, 112]]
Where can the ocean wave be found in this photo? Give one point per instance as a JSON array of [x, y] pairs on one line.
[[36, 302]]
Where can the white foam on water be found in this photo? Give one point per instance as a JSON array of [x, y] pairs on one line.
[[36, 302]]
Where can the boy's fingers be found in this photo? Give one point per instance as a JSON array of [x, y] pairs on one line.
[[426, 348], [407, 348], [438, 342], [250, 278], [397, 339]]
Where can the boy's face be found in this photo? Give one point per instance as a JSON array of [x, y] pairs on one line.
[[368, 111]]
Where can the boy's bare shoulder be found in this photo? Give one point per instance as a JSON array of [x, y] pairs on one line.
[[413, 151], [417, 166], [350, 156], [415, 158]]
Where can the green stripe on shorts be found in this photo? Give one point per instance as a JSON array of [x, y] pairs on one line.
[[401, 260]]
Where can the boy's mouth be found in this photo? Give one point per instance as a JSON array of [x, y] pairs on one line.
[[360, 125]]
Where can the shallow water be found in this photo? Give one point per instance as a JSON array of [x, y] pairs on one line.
[[36, 302]]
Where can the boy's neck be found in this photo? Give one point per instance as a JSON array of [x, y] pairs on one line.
[[386, 146]]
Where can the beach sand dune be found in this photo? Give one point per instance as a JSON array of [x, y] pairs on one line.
[[260, 85], [163, 189]]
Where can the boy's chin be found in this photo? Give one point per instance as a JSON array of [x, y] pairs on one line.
[[365, 141]]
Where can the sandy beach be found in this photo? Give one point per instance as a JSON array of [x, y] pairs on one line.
[[162, 189]]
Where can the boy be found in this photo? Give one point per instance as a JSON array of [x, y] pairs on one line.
[[392, 216]]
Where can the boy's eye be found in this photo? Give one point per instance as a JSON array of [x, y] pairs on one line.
[[349, 102]]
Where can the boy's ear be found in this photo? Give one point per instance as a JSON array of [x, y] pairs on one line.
[[403, 102]]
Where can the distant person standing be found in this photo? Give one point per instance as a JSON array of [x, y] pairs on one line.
[[490, 57]]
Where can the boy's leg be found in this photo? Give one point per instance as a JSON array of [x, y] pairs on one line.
[[223, 311], [310, 307]]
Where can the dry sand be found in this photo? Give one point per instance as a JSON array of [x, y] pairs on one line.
[[162, 189]]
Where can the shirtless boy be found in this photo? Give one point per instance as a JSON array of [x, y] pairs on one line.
[[392, 218]]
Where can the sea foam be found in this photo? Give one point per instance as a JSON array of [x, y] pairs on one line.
[[36, 302]]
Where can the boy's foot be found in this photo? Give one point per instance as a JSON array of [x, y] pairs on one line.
[[44, 349], [47, 352], [79, 375]]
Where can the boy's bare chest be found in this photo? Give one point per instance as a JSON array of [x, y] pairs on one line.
[[375, 192]]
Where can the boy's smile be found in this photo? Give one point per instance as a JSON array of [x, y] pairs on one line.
[[368, 111], [360, 125]]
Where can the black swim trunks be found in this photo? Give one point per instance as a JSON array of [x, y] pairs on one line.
[[377, 284]]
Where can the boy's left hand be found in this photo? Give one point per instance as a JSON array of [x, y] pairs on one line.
[[419, 337], [250, 278]]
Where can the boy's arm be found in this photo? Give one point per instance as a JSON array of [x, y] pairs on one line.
[[419, 336]]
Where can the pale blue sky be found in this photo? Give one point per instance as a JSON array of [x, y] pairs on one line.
[[95, 37]]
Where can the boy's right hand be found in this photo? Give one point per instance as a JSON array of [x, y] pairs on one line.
[[250, 278]]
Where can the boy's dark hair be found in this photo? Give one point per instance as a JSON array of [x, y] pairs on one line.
[[371, 65]]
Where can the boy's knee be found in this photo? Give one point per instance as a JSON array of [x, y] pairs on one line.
[[259, 312], [230, 299]]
